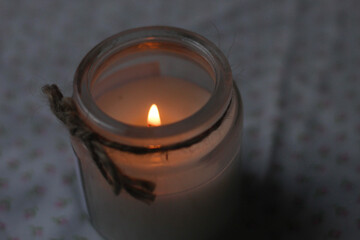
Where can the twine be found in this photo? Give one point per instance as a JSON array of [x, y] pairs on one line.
[[65, 110]]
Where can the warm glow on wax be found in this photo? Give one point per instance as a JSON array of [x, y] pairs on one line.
[[153, 119]]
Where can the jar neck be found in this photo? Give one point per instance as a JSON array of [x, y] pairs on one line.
[[201, 51]]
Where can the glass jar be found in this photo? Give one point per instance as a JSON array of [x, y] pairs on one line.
[[189, 78]]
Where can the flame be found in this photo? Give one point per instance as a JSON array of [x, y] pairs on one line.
[[153, 119]]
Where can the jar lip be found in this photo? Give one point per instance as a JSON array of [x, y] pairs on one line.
[[171, 133]]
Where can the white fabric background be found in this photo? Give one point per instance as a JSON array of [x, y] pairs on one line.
[[296, 64]]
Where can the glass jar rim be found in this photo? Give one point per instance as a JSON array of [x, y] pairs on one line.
[[171, 133]]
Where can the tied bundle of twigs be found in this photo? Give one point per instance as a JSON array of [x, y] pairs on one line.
[[65, 110]]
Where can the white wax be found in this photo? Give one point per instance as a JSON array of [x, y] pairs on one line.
[[206, 212], [196, 202], [176, 99]]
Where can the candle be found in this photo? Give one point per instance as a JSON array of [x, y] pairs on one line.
[[167, 92], [162, 88]]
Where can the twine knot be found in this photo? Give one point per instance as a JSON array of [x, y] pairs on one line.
[[65, 110]]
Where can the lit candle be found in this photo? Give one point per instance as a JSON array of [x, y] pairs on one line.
[[162, 88], [176, 98]]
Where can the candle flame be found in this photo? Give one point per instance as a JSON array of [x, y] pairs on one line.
[[153, 119]]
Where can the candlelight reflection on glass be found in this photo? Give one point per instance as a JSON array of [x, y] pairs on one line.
[[162, 88]]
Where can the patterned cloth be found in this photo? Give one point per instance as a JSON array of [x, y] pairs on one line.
[[295, 62]]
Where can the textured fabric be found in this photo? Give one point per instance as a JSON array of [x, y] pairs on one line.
[[296, 65]]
